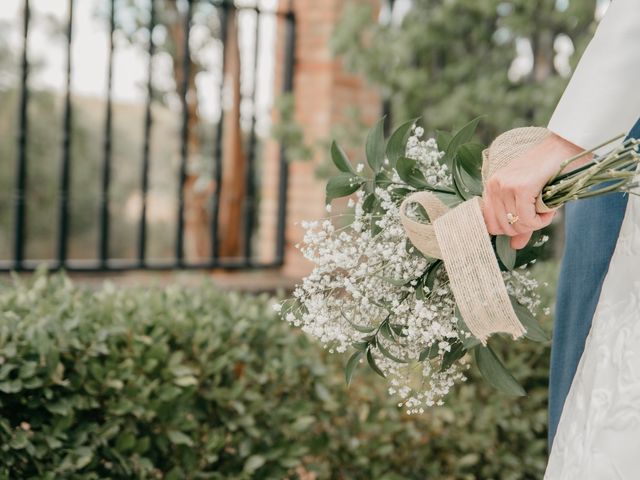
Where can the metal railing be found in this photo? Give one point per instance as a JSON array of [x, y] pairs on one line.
[[103, 262]]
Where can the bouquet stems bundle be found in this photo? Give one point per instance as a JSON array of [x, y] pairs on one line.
[[613, 172], [373, 292]]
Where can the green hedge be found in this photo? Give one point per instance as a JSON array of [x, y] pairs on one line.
[[186, 383]]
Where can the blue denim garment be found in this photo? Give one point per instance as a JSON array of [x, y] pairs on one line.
[[592, 227]]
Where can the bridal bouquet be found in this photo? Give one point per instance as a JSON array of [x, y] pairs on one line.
[[375, 293]]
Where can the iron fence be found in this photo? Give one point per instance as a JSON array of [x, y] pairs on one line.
[[103, 261]]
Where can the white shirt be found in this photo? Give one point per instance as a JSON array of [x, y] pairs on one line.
[[602, 99]]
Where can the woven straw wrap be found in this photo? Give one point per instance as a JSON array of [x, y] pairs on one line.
[[459, 237]]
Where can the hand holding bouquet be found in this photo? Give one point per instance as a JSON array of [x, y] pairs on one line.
[[372, 291]]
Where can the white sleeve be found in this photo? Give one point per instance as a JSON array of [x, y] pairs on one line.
[[602, 99]]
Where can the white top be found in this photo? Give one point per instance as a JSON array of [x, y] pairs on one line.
[[602, 99]]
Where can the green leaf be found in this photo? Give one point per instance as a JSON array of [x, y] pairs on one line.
[[462, 136], [469, 157], [397, 329], [342, 185], [430, 279], [369, 203], [450, 199], [495, 373], [352, 363], [253, 463], [407, 171], [443, 139], [386, 332], [186, 381], [506, 254], [430, 352], [534, 330], [467, 338], [360, 345], [178, 438], [457, 351], [388, 354], [340, 159], [359, 328], [372, 363], [375, 146], [397, 144], [382, 180], [466, 185]]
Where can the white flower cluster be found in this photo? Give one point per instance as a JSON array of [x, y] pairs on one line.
[[363, 280]]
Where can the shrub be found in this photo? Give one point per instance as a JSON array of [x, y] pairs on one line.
[[186, 383]]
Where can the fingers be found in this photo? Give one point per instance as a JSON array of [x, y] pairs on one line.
[[500, 199], [493, 227], [497, 204], [520, 241]]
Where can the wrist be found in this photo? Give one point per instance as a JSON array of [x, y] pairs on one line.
[[558, 149]]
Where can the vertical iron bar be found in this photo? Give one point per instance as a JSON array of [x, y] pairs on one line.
[[65, 173], [184, 151], [103, 247], [21, 171], [250, 187], [148, 120], [290, 48], [217, 155]]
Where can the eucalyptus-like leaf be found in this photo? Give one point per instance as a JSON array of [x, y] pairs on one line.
[[443, 139], [430, 279], [382, 180], [342, 185], [388, 354], [506, 253], [352, 363], [359, 328], [466, 185], [397, 143], [534, 330], [397, 329], [468, 339], [409, 173], [450, 199], [360, 345], [375, 146], [372, 363], [428, 353], [340, 159], [369, 203], [462, 136], [457, 351], [494, 371], [469, 156], [386, 332]]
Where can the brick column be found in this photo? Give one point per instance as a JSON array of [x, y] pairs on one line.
[[323, 93]]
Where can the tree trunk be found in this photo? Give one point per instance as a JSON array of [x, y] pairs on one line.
[[232, 193], [196, 195]]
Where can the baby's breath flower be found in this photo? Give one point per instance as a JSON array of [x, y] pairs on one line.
[[363, 279]]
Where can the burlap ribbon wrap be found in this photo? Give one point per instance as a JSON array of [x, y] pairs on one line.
[[460, 238]]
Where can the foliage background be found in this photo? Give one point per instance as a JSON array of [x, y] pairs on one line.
[[182, 383], [450, 61]]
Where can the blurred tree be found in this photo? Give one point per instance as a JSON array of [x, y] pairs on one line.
[[206, 18], [449, 61]]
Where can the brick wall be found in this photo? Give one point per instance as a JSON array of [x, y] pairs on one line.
[[323, 94]]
